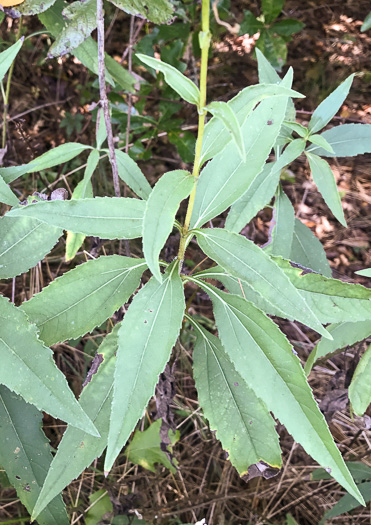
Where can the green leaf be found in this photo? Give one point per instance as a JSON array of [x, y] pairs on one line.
[[6, 194], [78, 450], [359, 471], [267, 73], [330, 106], [347, 140], [281, 230], [273, 46], [343, 334], [101, 132], [215, 139], [348, 502], [250, 25], [244, 260], [146, 338], [84, 297], [100, 504], [157, 11], [145, 448], [132, 175], [319, 140], [24, 242], [307, 250], [367, 23], [242, 422], [366, 272], [360, 387], [224, 112], [271, 9], [80, 20], [31, 7], [288, 26], [162, 205], [25, 455], [28, 369], [264, 358], [185, 143], [290, 520], [181, 84], [262, 188], [326, 184], [105, 217], [226, 176], [8, 56], [298, 128]]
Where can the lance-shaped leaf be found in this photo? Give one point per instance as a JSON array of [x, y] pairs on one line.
[[347, 140], [226, 176], [80, 20], [78, 450], [243, 259], [264, 358], [319, 140], [31, 7], [83, 190], [267, 73], [132, 175], [281, 230], [7, 57], [215, 139], [147, 335], [360, 387], [159, 216], [330, 106], [308, 251], [157, 11], [365, 273], [326, 184], [242, 422], [27, 368], [180, 83], [84, 297], [6, 194], [25, 455], [224, 112], [105, 217], [343, 334], [347, 503], [262, 188], [24, 242]]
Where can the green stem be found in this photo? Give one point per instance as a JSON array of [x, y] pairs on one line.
[[8, 83], [205, 39]]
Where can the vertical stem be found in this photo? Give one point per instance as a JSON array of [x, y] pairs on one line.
[[103, 97], [7, 92], [205, 38]]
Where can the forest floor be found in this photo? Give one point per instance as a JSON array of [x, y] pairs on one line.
[[324, 53]]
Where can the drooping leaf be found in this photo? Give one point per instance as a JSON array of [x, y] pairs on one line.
[[180, 83], [146, 338], [7, 57], [348, 502], [157, 11], [31, 7], [347, 140], [225, 113], [145, 448], [215, 139], [80, 20], [78, 450], [84, 297], [264, 358], [162, 205], [307, 250], [243, 259], [360, 387], [242, 422], [271, 9], [281, 230], [226, 176], [28, 369], [132, 175], [344, 334], [365, 273], [24, 242], [326, 184], [105, 217], [6, 194], [330, 106], [261, 189], [25, 455]]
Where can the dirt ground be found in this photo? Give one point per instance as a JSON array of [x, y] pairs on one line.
[[324, 53]]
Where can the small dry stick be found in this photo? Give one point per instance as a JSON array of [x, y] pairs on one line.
[[103, 97]]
